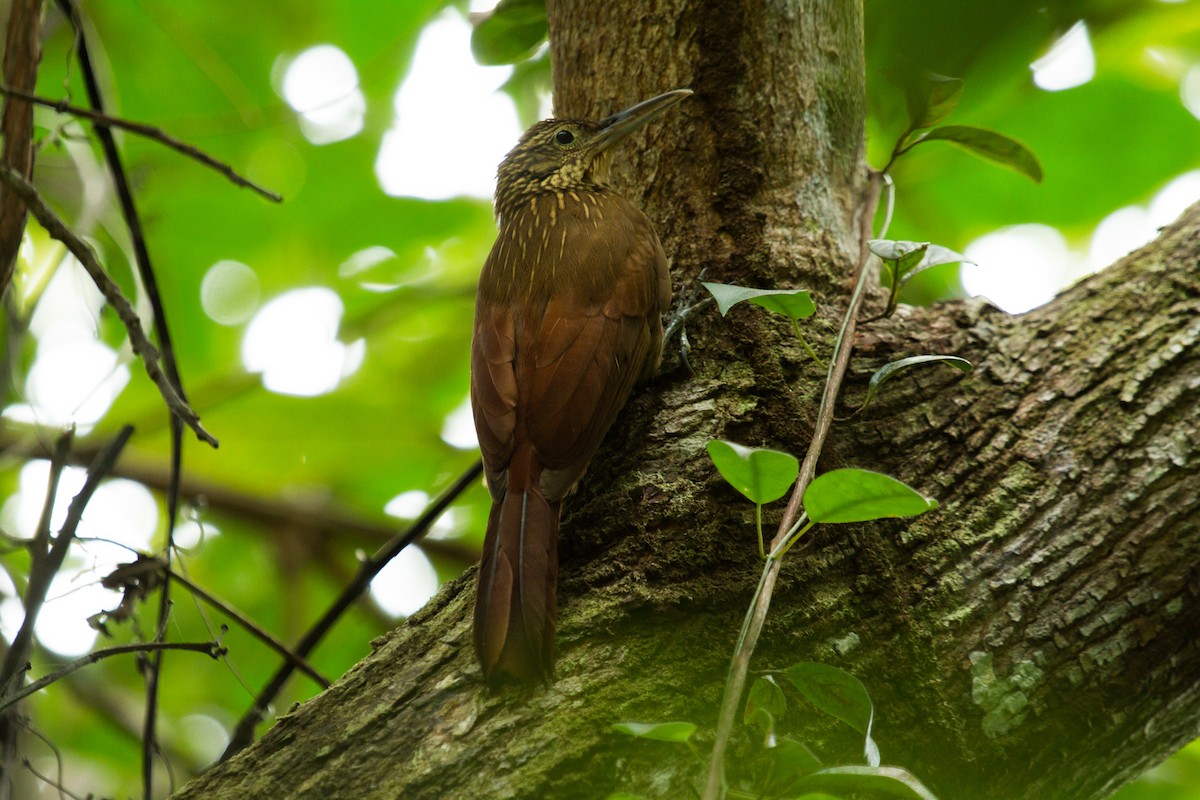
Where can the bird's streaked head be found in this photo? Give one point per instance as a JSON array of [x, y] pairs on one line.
[[560, 155]]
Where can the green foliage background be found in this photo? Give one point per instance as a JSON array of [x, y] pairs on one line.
[[203, 71]]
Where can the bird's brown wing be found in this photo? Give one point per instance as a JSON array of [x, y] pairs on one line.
[[494, 388], [599, 334]]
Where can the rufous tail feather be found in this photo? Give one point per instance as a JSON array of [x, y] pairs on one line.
[[516, 596]]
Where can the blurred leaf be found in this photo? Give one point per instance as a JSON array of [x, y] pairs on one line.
[[764, 705], [892, 367], [907, 253], [765, 694], [839, 694], [935, 256], [877, 781], [930, 98], [859, 495], [679, 732], [792, 303], [790, 760], [760, 474], [991, 145], [795, 304], [509, 33], [530, 80]]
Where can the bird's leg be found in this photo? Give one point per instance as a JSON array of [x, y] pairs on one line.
[[678, 323]]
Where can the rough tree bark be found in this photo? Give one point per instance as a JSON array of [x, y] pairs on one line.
[[1035, 637]]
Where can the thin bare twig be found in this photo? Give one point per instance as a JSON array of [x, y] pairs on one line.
[[46, 565], [146, 272], [149, 132], [296, 660], [736, 681], [63, 791], [213, 649], [42, 568], [112, 294], [243, 734]]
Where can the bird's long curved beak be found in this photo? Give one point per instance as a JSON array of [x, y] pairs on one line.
[[616, 127]]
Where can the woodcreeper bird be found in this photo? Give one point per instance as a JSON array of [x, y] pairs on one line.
[[567, 320]]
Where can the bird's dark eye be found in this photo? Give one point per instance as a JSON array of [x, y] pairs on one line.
[[564, 136]]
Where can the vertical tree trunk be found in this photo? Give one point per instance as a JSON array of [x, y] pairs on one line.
[[22, 53], [760, 175]]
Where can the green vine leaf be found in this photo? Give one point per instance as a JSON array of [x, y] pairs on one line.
[[509, 33], [935, 256], [764, 704], [860, 495], [892, 367], [678, 732], [899, 256], [762, 475], [931, 98], [991, 145], [792, 303], [874, 781], [790, 761], [839, 694]]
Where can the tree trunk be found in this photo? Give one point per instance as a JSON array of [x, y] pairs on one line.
[[1034, 637]]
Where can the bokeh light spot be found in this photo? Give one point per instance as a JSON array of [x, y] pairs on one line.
[[292, 341], [458, 430], [321, 85], [72, 382], [1174, 198], [229, 292], [1018, 268], [1070, 61], [407, 505], [439, 148], [406, 583]]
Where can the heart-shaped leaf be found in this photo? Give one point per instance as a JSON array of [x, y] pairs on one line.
[[858, 495], [839, 694], [935, 256], [792, 303], [872, 781], [765, 695], [892, 367], [679, 732], [790, 761], [834, 691], [991, 145], [895, 250], [762, 475]]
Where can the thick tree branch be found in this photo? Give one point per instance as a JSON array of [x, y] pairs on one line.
[[1007, 640]]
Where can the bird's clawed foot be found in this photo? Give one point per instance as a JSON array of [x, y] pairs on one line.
[[678, 324]]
